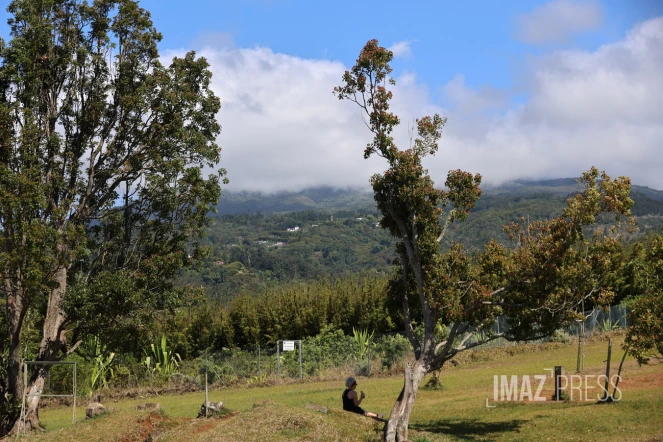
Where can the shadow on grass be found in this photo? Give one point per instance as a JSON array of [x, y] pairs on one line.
[[469, 429]]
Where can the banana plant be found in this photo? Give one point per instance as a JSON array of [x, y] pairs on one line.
[[362, 340], [102, 369], [162, 359]]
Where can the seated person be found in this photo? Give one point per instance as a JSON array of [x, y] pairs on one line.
[[351, 401]]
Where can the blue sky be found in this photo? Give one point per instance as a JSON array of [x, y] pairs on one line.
[[532, 89], [475, 38]]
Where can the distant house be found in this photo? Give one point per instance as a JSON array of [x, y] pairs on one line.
[[359, 219], [293, 229], [279, 244], [314, 225], [219, 263], [376, 225]]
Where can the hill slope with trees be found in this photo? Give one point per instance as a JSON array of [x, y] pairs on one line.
[[338, 234]]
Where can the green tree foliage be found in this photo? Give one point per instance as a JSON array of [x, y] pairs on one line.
[[295, 311], [101, 187], [208, 327], [244, 257], [538, 283], [252, 252], [644, 337]]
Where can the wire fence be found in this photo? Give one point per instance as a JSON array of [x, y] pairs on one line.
[[329, 353], [380, 353], [596, 320]]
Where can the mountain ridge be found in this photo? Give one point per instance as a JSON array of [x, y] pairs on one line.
[[334, 199]]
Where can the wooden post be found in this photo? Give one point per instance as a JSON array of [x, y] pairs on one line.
[[579, 347], [74, 413], [206, 394], [278, 360], [607, 372], [559, 372], [300, 359], [582, 346], [369, 358]]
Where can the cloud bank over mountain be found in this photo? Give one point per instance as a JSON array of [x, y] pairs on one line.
[[283, 129]]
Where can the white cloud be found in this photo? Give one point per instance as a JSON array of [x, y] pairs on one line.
[[401, 49], [557, 21], [470, 101], [599, 108], [283, 129]]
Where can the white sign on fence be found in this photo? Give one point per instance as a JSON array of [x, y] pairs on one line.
[[288, 345]]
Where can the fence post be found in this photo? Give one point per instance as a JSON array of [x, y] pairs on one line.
[[300, 359], [278, 361], [206, 393], [74, 417], [559, 372], [369, 358], [579, 347], [259, 370]]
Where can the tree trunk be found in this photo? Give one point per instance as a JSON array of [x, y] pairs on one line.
[[15, 307], [15, 315], [49, 350], [397, 426]]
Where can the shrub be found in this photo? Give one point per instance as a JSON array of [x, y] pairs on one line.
[[363, 368], [391, 348], [122, 377], [434, 383], [560, 336]]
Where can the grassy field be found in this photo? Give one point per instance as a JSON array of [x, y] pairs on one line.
[[457, 412]]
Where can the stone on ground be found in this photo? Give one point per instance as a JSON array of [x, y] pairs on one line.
[[214, 409], [94, 409]]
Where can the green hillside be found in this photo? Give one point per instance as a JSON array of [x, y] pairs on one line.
[[338, 233]]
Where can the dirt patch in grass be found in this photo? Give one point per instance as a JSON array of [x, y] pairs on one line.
[[146, 425], [123, 426], [205, 427], [642, 381]]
